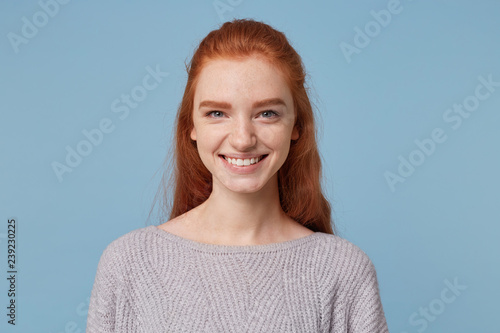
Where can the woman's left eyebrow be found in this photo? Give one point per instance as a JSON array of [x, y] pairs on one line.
[[268, 102]]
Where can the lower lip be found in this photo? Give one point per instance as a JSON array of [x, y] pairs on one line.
[[243, 168]]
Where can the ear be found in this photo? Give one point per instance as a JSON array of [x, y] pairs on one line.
[[193, 134], [295, 133]]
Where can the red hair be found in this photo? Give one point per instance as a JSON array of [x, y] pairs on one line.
[[299, 179]]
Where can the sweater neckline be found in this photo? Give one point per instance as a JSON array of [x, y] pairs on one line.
[[219, 248]]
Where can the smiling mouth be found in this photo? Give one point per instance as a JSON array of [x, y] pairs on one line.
[[243, 161]]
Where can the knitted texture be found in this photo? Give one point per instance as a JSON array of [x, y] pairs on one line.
[[150, 280]]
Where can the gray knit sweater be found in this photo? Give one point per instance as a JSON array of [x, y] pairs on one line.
[[149, 280]]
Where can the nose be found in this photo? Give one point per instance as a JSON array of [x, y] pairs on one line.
[[242, 135]]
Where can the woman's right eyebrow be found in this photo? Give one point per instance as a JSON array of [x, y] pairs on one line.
[[258, 104], [215, 105]]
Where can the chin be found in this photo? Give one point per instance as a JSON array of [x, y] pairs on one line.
[[245, 188]]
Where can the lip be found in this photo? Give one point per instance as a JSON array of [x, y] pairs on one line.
[[242, 156], [243, 169]]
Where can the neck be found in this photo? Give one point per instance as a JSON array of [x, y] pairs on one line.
[[242, 218]]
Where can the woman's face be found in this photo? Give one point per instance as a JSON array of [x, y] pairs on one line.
[[243, 122]]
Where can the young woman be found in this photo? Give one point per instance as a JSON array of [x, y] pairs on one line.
[[249, 246]]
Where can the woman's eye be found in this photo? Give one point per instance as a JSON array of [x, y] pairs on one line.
[[269, 113], [215, 114]]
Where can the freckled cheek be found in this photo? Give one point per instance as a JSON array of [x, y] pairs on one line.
[[209, 140], [276, 137]]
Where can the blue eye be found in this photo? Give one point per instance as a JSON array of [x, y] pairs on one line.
[[215, 114], [269, 114]]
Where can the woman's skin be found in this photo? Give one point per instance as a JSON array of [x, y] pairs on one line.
[[242, 109]]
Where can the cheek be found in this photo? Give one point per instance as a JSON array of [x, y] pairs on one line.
[[278, 138], [208, 140], [205, 152]]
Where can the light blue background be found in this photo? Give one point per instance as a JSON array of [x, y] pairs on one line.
[[441, 224]]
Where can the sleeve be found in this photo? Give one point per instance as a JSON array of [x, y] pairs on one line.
[[103, 299], [364, 309]]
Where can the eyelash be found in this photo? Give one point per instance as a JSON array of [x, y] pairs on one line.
[[274, 113], [209, 114]]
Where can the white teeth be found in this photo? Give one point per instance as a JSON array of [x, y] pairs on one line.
[[241, 162]]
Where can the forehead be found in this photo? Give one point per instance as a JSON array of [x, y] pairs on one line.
[[247, 79]]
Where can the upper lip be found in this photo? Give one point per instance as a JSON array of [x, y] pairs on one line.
[[242, 156]]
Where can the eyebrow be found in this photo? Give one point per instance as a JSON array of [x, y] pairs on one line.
[[258, 104]]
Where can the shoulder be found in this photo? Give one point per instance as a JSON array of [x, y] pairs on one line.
[[340, 247], [131, 247], [348, 286], [344, 262], [130, 241]]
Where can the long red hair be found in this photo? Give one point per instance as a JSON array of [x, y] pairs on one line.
[[299, 179]]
